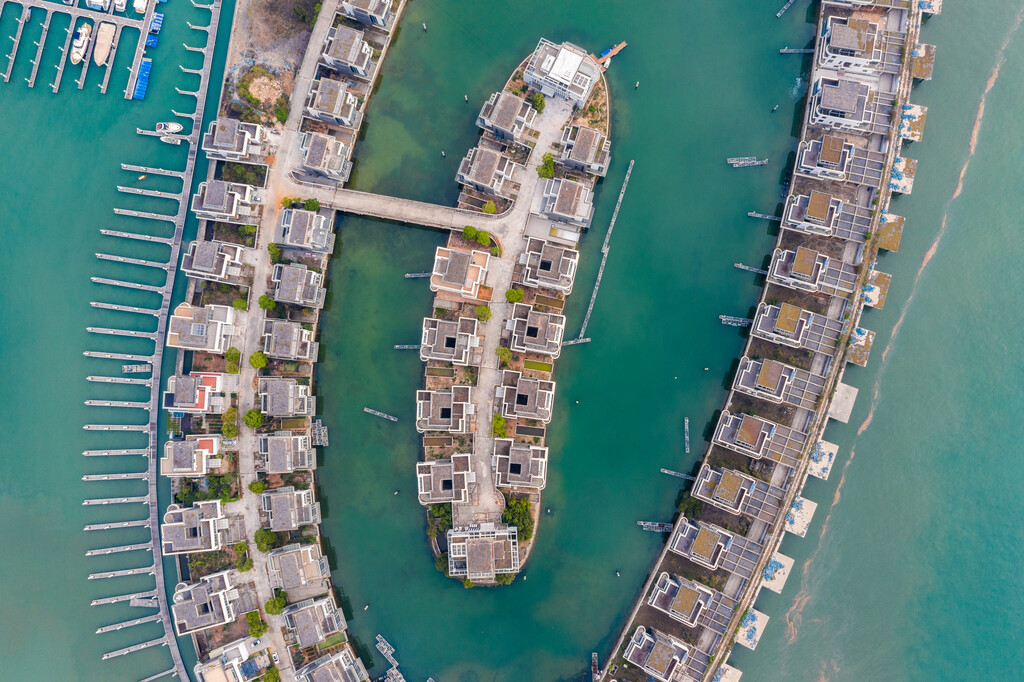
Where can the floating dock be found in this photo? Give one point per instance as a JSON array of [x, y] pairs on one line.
[[382, 415], [655, 526], [745, 161]]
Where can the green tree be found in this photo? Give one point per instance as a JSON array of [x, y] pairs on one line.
[[253, 419], [467, 583], [517, 513], [547, 167], [538, 102], [257, 626], [275, 252], [240, 304], [267, 303], [498, 427], [242, 547], [286, 202], [265, 539], [504, 356], [483, 238], [514, 295], [489, 208], [504, 578], [248, 229], [229, 430], [258, 360], [229, 423], [272, 674], [690, 507], [231, 368], [441, 563], [482, 312], [311, 205], [232, 354], [243, 565], [257, 487], [276, 605], [469, 233]]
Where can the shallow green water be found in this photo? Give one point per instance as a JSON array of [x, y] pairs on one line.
[[917, 573]]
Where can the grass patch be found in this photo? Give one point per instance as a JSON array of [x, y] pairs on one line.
[[539, 366]]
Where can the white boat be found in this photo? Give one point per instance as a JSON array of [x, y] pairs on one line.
[[104, 40], [170, 139], [119, 5], [168, 127], [98, 5], [81, 42], [140, 6]]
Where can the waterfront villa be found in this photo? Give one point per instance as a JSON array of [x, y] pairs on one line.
[[298, 566], [229, 139], [287, 508], [460, 272], [564, 71], [224, 663], [657, 654], [283, 452], [519, 465], [324, 156], [199, 528], [534, 331], [824, 214], [585, 149], [449, 410], [779, 383], [488, 171], [807, 270], [331, 101], [199, 393], [370, 12], [446, 341], [482, 552], [702, 543], [285, 397], [208, 329], [439, 481], [836, 158], [302, 229], [226, 202], [857, 45], [211, 260], [548, 266], [845, 104], [203, 604], [312, 621], [759, 438], [347, 52], [343, 666], [526, 398], [567, 201], [795, 327], [298, 285], [190, 458], [738, 493], [683, 600], [286, 340], [507, 116]]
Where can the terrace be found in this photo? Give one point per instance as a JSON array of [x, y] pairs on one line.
[[805, 269], [535, 332], [760, 439], [795, 327], [212, 261], [738, 493], [548, 266], [523, 397], [229, 139], [449, 410]]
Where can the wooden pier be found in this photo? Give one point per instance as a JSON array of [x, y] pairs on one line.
[[378, 413]]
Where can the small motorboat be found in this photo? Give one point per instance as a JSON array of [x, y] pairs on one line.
[[81, 42], [140, 6], [120, 5], [170, 139], [168, 127]]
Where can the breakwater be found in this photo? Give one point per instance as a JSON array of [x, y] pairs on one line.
[[698, 601]]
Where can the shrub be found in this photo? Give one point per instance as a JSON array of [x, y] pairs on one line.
[[272, 675], [253, 419], [311, 205], [229, 431], [504, 578], [504, 356], [242, 547], [257, 487], [282, 108], [517, 513], [441, 563], [232, 354], [690, 507], [286, 202], [257, 626], [248, 229], [231, 368], [482, 312], [240, 304], [229, 423], [467, 583], [547, 167], [243, 565], [276, 605], [514, 295], [489, 208], [275, 252], [498, 426], [258, 360], [265, 539], [483, 238], [538, 102], [267, 303], [469, 232]]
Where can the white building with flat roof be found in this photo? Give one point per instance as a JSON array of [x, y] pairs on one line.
[[564, 71]]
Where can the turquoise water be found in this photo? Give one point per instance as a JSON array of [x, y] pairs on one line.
[[917, 574]]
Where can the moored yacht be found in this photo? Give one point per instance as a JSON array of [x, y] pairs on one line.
[[81, 42]]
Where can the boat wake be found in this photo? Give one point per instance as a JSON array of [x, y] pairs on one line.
[[795, 614]]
